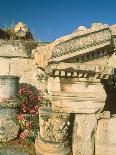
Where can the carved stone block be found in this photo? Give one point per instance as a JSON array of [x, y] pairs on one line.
[[53, 138], [79, 97]]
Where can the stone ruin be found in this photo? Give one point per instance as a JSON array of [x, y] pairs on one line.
[[81, 72]]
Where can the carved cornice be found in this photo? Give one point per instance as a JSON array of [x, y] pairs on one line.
[[74, 70], [90, 41], [82, 42]]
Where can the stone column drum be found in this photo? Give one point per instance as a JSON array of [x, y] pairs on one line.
[[8, 127], [53, 138], [8, 107], [8, 86]]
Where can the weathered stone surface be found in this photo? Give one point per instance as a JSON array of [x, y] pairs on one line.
[[105, 115], [81, 96], [9, 151], [79, 43], [83, 139], [48, 148], [53, 126], [4, 66], [113, 29], [106, 137], [16, 59], [8, 127], [53, 138], [17, 147], [70, 67], [17, 48], [74, 104], [24, 68], [9, 86], [112, 60], [19, 66], [12, 49], [54, 84]]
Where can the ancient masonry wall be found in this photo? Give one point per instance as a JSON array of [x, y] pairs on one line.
[[15, 61]]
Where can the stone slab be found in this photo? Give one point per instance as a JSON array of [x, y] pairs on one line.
[[77, 103], [77, 95], [83, 139], [106, 137]]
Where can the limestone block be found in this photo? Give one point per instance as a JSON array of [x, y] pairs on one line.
[[79, 97], [106, 137], [75, 104], [19, 66], [53, 84], [31, 77], [105, 115], [81, 85], [4, 66], [83, 139], [112, 60], [28, 72], [24, 68]]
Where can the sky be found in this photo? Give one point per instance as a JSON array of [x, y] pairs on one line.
[[51, 19]]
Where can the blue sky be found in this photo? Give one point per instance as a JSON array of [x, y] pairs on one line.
[[50, 19]]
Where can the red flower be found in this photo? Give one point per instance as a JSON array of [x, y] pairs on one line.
[[36, 107], [32, 111], [28, 124], [24, 134], [23, 107], [20, 116]]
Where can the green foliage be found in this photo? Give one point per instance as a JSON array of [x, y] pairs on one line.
[[110, 84]]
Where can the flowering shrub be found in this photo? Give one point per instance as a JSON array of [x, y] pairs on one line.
[[28, 118], [28, 101]]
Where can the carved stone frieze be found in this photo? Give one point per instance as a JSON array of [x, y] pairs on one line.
[[81, 42]]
